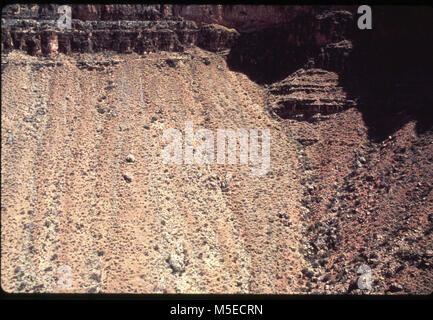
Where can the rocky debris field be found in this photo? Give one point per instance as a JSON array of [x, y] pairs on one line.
[[89, 206]]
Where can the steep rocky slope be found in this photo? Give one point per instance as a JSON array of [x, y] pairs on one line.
[[85, 188]]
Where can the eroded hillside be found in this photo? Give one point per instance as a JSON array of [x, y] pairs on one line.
[[86, 195]]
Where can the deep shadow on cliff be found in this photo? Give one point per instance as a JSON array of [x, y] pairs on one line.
[[392, 70], [265, 57], [271, 54], [387, 70]]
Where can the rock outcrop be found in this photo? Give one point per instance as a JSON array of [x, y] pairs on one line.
[[306, 93], [34, 30]]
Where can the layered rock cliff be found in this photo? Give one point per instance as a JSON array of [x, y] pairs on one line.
[[88, 205]]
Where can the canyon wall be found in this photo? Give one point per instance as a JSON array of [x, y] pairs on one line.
[[84, 187]]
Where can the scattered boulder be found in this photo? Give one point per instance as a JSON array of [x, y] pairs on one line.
[[127, 177]]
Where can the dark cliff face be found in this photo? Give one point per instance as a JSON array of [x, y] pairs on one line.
[[271, 54], [391, 69]]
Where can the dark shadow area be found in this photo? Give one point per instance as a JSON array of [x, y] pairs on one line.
[[388, 70], [387, 103], [266, 56], [270, 55]]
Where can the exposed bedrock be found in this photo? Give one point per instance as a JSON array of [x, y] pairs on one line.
[[123, 29]]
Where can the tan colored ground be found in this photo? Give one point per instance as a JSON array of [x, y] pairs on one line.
[[65, 201]]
